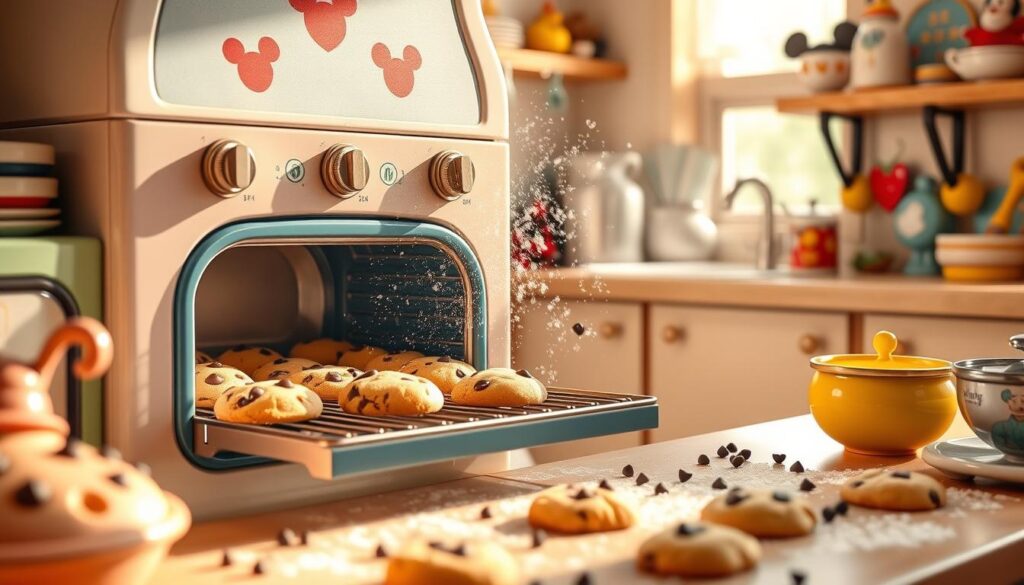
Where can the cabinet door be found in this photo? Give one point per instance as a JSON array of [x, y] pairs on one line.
[[608, 357], [946, 338], [716, 368]]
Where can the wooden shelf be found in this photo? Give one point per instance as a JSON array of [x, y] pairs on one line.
[[962, 95], [542, 64]]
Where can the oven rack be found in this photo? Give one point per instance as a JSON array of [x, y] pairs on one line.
[[338, 443]]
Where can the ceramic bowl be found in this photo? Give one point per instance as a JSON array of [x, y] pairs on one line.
[[990, 394], [824, 69], [882, 404], [980, 257], [987, 62]]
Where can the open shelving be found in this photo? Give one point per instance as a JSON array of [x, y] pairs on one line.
[[543, 64]]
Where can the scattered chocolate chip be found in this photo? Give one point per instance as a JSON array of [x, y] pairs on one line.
[[685, 529], [797, 576], [584, 579], [119, 479], [578, 329], [745, 453], [642, 479], [684, 476], [703, 460], [285, 383], [719, 484], [524, 374], [259, 568], [901, 474], [539, 536], [731, 447], [71, 449], [797, 467], [660, 489], [481, 385], [735, 497], [225, 559], [779, 457], [857, 483], [605, 485], [33, 493], [214, 379], [807, 485], [934, 497], [828, 514], [485, 513], [380, 553], [627, 471], [781, 496], [334, 377], [737, 460], [367, 374], [287, 537], [722, 452], [110, 453], [842, 508], [442, 360]]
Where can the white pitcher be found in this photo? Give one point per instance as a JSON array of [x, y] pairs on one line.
[[605, 208]]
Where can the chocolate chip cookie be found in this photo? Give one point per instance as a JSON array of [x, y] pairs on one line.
[[321, 351], [390, 393], [213, 378], [269, 402], [499, 387], [571, 509], [393, 360], [443, 371], [247, 358], [697, 549], [326, 381], [281, 368], [358, 356], [763, 513], [477, 562], [905, 491]]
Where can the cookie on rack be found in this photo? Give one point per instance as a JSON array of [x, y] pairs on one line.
[[476, 562], [322, 351], [269, 402], [697, 549], [392, 360], [761, 512], [390, 393], [499, 387], [359, 355], [281, 368], [213, 378], [327, 381], [203, 357], [899, 490], [443, 371], [570, 509], [247, 358]]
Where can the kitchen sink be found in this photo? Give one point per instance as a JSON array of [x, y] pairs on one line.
[[725, 270]]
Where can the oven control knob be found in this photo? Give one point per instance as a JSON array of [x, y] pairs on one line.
[[452, 174], [344, 170], [228, 167]]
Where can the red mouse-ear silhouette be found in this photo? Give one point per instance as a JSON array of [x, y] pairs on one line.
[[381, 55], [255, 68], [233, 50], [325, 22], [269, 49], [398, 73], [412, 57]]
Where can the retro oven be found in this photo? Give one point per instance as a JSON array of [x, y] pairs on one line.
[[273, 171]]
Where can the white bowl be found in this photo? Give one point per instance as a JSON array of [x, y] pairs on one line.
[[987, 62], [824, 69]]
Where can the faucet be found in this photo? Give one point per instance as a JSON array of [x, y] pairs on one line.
[[766, 256]]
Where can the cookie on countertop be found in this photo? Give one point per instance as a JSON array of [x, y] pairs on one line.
[[393, 360], [761, 512], [477, 562], [359, 355], [570, 509], [499, 387], [281, 368], [203, 358], [327, 381], [390, 393], [443, 371], [697, 549], [247, 358], [269, 402], [897, 490], [322, 351], [213, 378]]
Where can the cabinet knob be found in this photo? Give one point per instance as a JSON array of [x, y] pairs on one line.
[[452, 174], [344, 170], [610, 330], [229, 167], [810, 344], [672, 333]]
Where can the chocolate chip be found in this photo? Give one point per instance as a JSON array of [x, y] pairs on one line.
[[459, 550], [72, 449], [225, 559], [627, 471], [605, 485], [367, 374], [827, 514], [459, 373], [481, 385], [578, 329], [642, 479], [731, 447], [797, 467], [353, 371], [33, 494], [119, 479], [259, 568], [719, 484], [737, 460], [380, 553], [934, 497], [352, 394], [214, 379], [807, 485], [442, 360], [485, 513], [901, 474], [797, 576], [414, 371], [215, 365], [584, 579], [857, 484], [256, 392], [582, 514], [285, 383], [265, 351], [539, 536], [684, 476], [842, 508], [583, 494], [781, 496], [240, 376], [779, 457], [703, 460], [745, 453], [280, 361], [388, 358], [660, 489], [334, 377], [287, 537], [735, 497], [111, 453], [524, 374], [685, 529], [722, 452], [407, 379]]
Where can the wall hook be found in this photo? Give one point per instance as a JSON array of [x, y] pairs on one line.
[[856, 193]]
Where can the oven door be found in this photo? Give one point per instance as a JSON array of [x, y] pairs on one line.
[[395, 284]]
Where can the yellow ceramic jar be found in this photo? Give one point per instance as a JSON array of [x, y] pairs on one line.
[[882, 404]]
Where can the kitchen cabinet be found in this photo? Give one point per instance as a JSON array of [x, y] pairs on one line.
[[608, 356], [947, 338], [717, 368]]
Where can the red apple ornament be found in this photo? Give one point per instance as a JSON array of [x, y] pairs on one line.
[[889, 187]]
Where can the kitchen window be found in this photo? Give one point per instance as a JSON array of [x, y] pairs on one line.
[[742, 70]]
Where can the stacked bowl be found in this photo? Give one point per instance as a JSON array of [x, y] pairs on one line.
[[506, 32], [28, 191]]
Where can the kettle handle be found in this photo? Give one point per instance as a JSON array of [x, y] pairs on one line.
[[85, 332]]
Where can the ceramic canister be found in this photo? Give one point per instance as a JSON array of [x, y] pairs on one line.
[[990, 394], [880, 54], [814, 243]]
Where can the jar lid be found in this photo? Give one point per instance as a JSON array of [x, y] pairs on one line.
[[995, 370], [882, 363]]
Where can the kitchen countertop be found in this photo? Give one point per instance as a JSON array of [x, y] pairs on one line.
[[713, 284], [980, 534]]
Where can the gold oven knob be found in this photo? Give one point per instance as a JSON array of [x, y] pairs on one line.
[[228, 167], [452, 174], [344, 170]]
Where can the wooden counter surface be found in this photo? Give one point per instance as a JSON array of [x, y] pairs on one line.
[[875, 294], [978, 537]]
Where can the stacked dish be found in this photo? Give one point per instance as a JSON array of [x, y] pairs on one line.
[[28, 191], [506, 32]]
